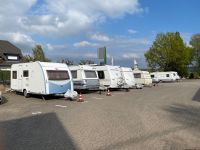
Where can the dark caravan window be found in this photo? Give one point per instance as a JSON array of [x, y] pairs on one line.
[[101, 74], [57, 75]]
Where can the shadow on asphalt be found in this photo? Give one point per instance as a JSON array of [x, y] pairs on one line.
[[196, 97], [188, 116], [39, 132]]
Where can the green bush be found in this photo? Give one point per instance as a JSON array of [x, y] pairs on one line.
[[5, 77], [194, 75]]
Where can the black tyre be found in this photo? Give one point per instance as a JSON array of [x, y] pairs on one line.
[[26, 94]]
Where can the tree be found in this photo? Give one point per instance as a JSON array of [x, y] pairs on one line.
[[195, 42], [67, 61], [86, 62], [27, 58], [38, 55], [169, 53]]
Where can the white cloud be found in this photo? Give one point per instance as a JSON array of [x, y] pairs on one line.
[[130, 55], [131, 31], [100, 37], [17, 38], [61, 17], [84, 44], [52, 47]]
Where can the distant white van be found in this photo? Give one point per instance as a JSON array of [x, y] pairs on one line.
[[168, 76], [110, 76], [84, 77], [142, 77], [42, 78], [127, 74]]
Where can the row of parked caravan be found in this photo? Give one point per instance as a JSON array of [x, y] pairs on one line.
[[58, 78], [98, 77], [93, 77]]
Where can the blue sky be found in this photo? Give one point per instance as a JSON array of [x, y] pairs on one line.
[[76, 29]]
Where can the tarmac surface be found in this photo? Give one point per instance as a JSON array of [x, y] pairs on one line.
[[165, 117]]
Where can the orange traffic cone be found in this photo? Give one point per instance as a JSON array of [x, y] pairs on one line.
[[80, 99], [108, 93]]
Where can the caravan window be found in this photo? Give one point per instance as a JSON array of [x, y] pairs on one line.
[[74, 74], [57, 75], [90, 74], [137, 75], [167, 75], [101, 74], [14, 74], [25, 73], [152, 76]]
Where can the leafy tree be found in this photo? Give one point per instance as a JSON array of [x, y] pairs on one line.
[[169, 53], [27, 58], [195, 42], [38, 55], [86, 62], [67, 61]]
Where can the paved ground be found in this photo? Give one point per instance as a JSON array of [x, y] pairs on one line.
[[163, 117]]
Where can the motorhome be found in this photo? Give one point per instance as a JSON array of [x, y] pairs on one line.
[[110, 76], [84, 77], [128, 77], [142, 77], [42, 78], [168, 76]]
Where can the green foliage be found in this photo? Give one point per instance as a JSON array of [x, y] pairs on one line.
[[38, 55], [195, 42], [169, 53], [194, 75], [27, 58], [4, 76]]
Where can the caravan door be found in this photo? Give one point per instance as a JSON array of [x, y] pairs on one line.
[[19, 77]]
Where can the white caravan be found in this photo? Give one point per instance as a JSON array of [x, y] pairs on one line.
[[127, 74], [110, 76], [42, 78], [169, 76], [84, 77], [177, 77], [142, 77]]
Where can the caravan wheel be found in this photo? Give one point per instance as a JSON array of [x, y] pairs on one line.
[[26, 94]]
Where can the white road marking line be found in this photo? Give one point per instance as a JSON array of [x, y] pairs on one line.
[[61, 106], [97, 97], [35, 113]]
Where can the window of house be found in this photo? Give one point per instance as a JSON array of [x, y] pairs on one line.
[[90, 74], [167, 75], [101, 74], [74, 73], [137, 75], [12, 57], [25, 73], [14, 74], [57, 75]]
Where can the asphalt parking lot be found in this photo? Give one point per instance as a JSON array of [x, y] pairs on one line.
[[163, 117]]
